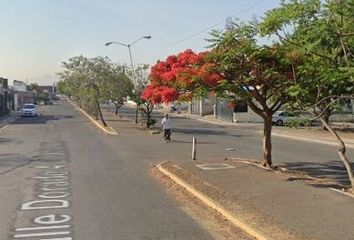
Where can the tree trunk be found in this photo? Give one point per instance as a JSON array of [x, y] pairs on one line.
[[136, 114], [267, 142], [79, 103], [117, 105], [325, 116], [148, 117], [100, 113], [341, 152]]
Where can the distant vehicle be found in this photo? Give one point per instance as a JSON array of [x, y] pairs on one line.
[[173, 108], [282, 117], [29, 109]]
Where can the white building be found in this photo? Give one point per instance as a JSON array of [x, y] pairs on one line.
[[19, 86]]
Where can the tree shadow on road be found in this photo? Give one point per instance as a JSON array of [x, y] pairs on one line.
[[333, 170], [200, 131], [10, 140], [208, 131], [41, 119], [189, 142], [240, 135]]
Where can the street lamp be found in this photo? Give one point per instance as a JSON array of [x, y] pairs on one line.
[[130, 53]]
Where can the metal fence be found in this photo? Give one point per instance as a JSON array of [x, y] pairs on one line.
[[223, 112], [195, 107]]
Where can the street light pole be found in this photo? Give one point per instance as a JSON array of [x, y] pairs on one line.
[[130, 54], [132, 65]]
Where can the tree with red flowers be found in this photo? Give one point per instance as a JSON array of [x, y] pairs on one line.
[[180, 77]]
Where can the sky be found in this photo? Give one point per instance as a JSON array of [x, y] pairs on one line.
[[38, 35]]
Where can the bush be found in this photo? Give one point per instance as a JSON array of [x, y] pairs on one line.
[[298, 122]]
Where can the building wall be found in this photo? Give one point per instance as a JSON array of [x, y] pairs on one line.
[[16, 104], [21, 98], [19, 86], [249, 116], [46, 89], [207, 106], [341, 117]]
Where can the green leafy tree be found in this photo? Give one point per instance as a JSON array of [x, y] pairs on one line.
[[261, 75], [117, 86], [33, 87], [88, 77], [70, 85], [142, 79], [319, 37], [144, 106]]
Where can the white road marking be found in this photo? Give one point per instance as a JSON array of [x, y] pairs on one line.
[[54, 185], [31, 204], [53, 195], [41, 228], [64, 238], [52, 219], [28, 235]]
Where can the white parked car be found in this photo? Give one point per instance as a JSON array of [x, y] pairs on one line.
[[29, 109], [281, 117]]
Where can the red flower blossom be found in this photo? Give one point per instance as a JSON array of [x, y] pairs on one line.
[[179, 75]]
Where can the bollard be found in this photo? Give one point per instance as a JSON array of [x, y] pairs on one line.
[[194, 149]]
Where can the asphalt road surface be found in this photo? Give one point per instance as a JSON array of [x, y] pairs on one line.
[[61, 178], [73, 182], [214, 141]]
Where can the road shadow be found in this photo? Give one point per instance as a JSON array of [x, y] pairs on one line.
[[41, 119], [189, 142], [240, 135], [200, 131], [10, 140], [332, 169]]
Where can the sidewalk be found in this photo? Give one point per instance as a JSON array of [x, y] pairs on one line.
[[312, 134], [210, 119], [276, 205], [315, 135], [11, 156], [9, 118]]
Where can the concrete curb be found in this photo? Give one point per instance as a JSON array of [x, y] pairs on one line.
[[342, 192], [109, 131], [348, 145], [211, 203]]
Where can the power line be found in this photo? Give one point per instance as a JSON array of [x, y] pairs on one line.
[[210, 27]]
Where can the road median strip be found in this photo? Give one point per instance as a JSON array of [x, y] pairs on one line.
[[213, 204], [108, 130]]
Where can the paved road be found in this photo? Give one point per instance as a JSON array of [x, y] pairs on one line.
[[313, 158], [82, 184]]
